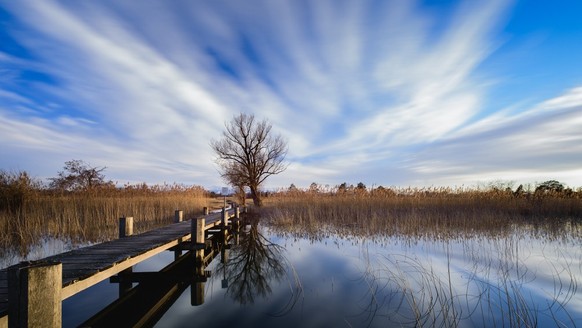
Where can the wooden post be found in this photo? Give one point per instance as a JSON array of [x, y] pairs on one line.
[[125, 226], [197, 230], [125, 283], [237, 212], [205, 209], [224, 254], [236, 231], [198, 285], [224, 217], [34, 294], [197, 292], [178, 216], [125, 230]]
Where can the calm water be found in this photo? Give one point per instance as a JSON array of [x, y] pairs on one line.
[[276, 279]]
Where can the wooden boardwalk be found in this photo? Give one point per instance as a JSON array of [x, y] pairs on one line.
[[84, 267]]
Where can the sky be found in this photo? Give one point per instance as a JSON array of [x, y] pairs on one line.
[[391, 92]]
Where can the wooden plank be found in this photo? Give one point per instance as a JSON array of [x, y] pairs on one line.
[[87, 266], [3, 320], [77, 286]]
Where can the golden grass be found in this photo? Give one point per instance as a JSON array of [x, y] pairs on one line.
[[433, 212], [29, 214]]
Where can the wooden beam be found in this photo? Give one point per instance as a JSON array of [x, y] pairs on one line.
[[80, 285]]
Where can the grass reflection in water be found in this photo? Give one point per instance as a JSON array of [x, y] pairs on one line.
[[447, 268]]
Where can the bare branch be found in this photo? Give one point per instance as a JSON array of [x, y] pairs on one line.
[[248, 153]]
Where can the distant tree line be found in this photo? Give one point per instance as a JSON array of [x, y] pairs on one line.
[[547, 188]]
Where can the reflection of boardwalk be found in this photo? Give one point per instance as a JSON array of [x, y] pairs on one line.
[[87, 266], [144, 304]]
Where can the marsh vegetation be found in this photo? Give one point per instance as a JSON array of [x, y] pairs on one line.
[[444, 257], [349, 256], [31, 214], [425, 212]]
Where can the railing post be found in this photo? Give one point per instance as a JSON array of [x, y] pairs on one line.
[[125, 226], [224, 217], [34, 294], [178, 216], [237, 212], [205, 209], [197, 231]]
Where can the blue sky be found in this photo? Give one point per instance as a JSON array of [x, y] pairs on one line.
[[393, 93]]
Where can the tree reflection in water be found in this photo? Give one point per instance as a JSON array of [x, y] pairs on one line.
[[254, 264]]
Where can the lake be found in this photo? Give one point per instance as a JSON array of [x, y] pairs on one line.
[[274, 276]]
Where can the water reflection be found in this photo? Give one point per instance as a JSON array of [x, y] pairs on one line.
[[516, 279], [460, 284], [249, 264], [253, 266], [146, 303], [522, 277]]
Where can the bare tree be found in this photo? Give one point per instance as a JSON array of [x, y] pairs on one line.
[[248, 153], [78, 175]]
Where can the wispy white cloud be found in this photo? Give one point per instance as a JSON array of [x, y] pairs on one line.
[[384, 92], [538, 144]]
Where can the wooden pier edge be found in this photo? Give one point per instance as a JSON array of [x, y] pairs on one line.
[[73, 289], [77, 285]]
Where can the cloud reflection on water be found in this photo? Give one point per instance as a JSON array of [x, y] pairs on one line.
[[279, 278]]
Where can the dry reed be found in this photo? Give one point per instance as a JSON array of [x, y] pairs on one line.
[[493, 289], [433, 212], [29, 213]]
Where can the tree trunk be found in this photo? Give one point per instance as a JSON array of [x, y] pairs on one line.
[[241, 195], [256, 196]]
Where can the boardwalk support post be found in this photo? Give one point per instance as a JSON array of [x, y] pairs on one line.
[[197, 289], [125, 226], [197, 231], [224, 217], [125, 230], [34, 293], [178, 216]]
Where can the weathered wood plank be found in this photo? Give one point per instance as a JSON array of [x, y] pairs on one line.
[[87, 266]]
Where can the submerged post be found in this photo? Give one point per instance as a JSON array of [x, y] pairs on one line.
[[178, 216], [125, 226], [34, 294]]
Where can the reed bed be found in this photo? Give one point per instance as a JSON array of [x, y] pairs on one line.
[[433, 212], [29, 214], [462, 257]]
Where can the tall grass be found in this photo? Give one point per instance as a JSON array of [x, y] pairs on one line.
[[479, 275], [29, 213], [432, 212]]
